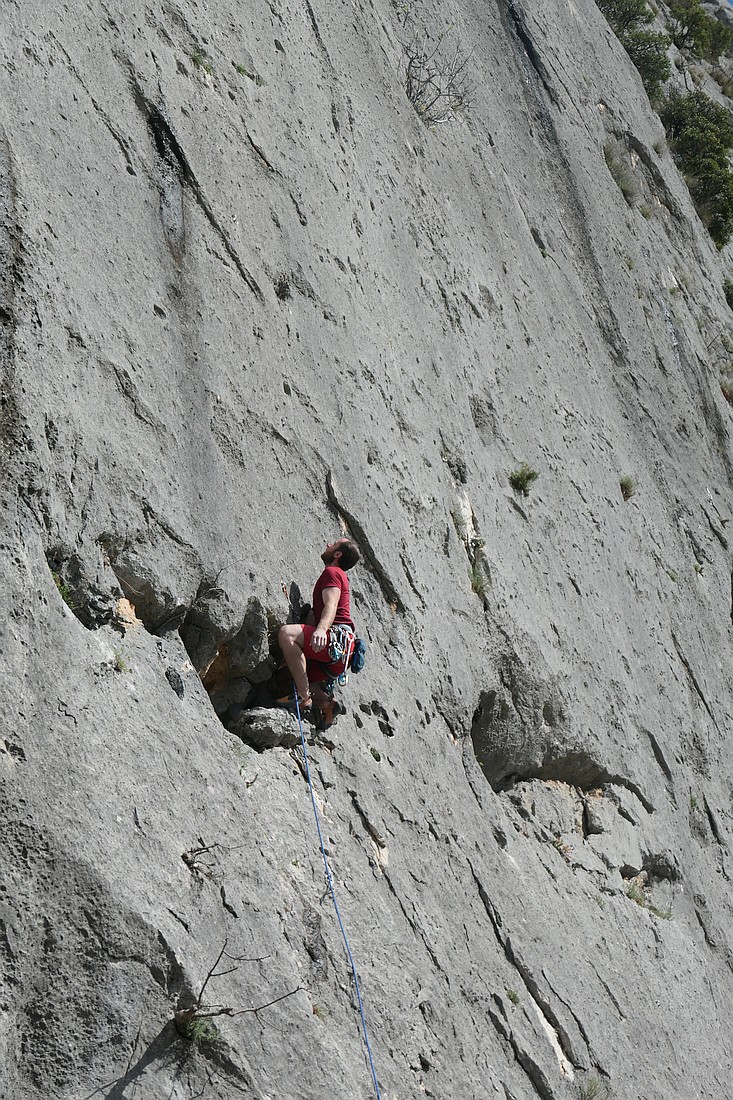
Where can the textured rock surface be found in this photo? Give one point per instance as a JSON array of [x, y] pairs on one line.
[[248, 300]]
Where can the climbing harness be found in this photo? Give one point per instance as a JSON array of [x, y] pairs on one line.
[[341, 647], [340, 650], [329, 879]]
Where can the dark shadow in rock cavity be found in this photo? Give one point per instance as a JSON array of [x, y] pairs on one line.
[[239, 669], [87, 586], [520, 731], [238, 661]]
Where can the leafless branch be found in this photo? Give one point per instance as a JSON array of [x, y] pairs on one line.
[[436, 82], [185, 1018], [220, 1010], [208, 978]]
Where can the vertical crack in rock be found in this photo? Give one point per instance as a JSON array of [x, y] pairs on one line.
[[576, 1018], [316, 30], [175, 172], [130, 392], [529, 60], [260, 155], [556, 1034], [106, 121], [715, 530], [388, 588], [611, 995], [537, 68], [373, 830], [713, 824], [659, 755], [410, 578], [693, 679], [9, 276], [414, 925], [522, 1057]]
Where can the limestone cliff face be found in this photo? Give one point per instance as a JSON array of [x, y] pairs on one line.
[[248, 300]]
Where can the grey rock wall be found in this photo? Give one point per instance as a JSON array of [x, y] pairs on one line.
[[248, 301]]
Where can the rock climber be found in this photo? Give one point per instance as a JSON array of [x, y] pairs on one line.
[[317, 650]]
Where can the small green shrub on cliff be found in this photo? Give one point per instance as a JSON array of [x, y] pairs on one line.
[[64, 591], [626, 15], [700, 132], [197, 1029], [199, 60], [692, 29], [478, 580], [594, 1089], [620, 171], [636, 892], [728, 291], [647, 49], [726, 383], [628, 488], [521, 479], [244, 71]]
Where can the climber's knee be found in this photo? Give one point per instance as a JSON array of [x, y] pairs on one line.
[[291, 634]]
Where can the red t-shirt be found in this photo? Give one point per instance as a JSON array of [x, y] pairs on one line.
[[333, 577]]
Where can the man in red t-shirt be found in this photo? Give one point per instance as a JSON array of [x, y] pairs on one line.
[[331, 608]]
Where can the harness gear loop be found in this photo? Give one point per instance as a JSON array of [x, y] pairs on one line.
[[340, 651]]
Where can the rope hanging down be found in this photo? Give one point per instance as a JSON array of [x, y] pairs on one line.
[[335, 903]]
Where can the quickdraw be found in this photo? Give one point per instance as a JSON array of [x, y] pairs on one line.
[[340, 651]]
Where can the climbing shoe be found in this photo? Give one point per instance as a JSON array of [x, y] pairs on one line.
[[288, 702], [325, 715]]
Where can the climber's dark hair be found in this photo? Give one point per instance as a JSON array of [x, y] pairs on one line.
[[349, 554]]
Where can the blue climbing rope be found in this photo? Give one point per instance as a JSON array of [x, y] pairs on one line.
[[335, 903]]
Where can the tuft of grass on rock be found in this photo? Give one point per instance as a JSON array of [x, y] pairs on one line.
[[64, 591], [636, 892], [244, 71], [522, 478], [513, 996], [728, 291], [200, 61], [196, 1029], [620, 172], [628, 486], [594, 1089]]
